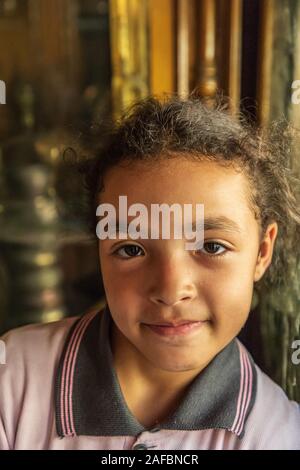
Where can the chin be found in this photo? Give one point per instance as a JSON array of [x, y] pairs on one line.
[[171, 365]]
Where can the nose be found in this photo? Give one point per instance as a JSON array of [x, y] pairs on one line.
[[172, 284]]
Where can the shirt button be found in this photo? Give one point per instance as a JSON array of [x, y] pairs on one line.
[[154, 430], [140, 447]]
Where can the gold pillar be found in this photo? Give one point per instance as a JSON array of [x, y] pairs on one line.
[[264, 91], [207, 82], [162, 46], [130, 51], [184, 45], [234, 53], [228, 44]]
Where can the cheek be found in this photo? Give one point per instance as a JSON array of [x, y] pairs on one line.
[[119, 276], [120, 285], [122, 292], [229, 293]]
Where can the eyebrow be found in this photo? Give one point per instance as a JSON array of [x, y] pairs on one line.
[[210, 223], [219, 223]]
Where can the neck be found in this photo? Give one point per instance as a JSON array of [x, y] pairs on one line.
[[136, 372]]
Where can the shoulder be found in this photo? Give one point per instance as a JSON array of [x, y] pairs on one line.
[[32, 353], [27, 377], [274, 422], [34, 343]]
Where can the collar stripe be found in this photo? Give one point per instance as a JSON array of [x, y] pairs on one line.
[[65, 389], [245, 392], [71, 365], [233, 428], [248, 392], [67, 421]]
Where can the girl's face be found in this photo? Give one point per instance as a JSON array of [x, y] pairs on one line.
[[159, 281]]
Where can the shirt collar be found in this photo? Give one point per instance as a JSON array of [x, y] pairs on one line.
[[89, 400]]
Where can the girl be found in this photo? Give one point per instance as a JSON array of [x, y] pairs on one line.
[[160, 367]]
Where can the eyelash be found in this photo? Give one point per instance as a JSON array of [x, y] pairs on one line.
[[217, 256]]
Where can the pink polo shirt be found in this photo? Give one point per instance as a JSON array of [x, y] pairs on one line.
[[59, 390]]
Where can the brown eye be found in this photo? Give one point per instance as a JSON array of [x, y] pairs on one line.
[[129, 251], [212, 249]]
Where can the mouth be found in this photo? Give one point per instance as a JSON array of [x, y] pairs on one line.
[[174, 324], [183, 327]]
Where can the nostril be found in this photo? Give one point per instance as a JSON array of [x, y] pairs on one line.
[[165, 302]]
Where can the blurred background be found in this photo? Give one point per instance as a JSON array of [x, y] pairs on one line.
[[67, 63]]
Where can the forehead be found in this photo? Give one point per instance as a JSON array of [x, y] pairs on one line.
[[178, 180], [224, 191]]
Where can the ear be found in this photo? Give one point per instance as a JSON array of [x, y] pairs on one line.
[[265, 251]]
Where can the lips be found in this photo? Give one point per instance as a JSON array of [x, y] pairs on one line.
[[182, 329], [173, 324]]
